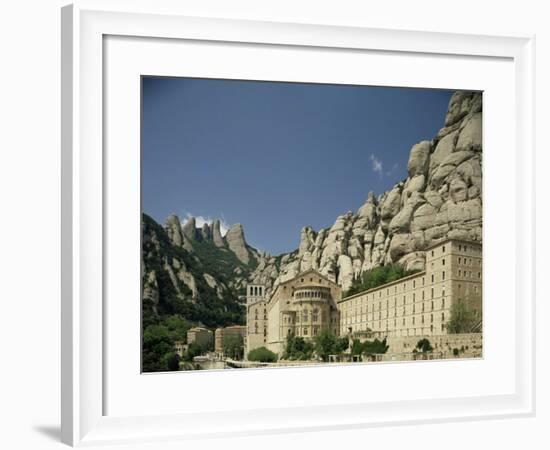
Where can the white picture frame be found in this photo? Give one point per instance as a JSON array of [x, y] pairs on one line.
[[85, 418]]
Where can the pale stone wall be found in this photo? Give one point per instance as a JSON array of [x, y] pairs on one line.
[[201, 336], [256, 318], [469, 345], [221, 333], [302, 306]]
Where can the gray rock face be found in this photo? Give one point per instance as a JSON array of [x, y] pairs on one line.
[[173, 229], [441, 198], [216, 234], [307, 240], [470, 135], [175, 233], [461, 104], [237, 244], [205, 232], [189, 229], [419, 159]]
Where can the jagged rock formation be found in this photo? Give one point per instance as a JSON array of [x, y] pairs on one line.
[[237, 244], [441, 198], [192, 278], [216, 234]]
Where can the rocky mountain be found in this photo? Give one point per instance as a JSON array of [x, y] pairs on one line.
[[440, 198], [199, 273], [195, 272]]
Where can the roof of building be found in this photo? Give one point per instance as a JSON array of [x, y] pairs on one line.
[[382, 286], [199, 329], [409, 277], [300, 275], [445, 241]]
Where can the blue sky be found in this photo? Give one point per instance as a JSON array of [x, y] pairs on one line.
[[276, 156]]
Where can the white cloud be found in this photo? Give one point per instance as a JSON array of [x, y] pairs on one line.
[[393, 168], [201, 220], [376, 165]]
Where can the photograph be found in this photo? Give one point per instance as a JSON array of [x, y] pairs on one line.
[[289, 224]]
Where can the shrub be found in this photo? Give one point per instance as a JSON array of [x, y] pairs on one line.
[[424, 345], [262, 354], [462, 319], [193, 350], [233, 346], [377, 277], [297, 348], [375, 347]]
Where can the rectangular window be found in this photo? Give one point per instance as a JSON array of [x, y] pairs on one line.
[[443, 261], [443, 275]]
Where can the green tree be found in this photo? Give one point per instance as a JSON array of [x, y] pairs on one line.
[[297, 348], [157, 343], [171, 361], [424, 345], [324, 344], [375, 347], [233, 346], [341, 345], [377, 277], [462, 319], [177, 327], [262, 354], [193, 349], [356, 347]]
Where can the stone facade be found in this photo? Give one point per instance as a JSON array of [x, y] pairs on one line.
[[411, 307], [419, 305], [221, 333], [256, 317], [301, 306], [201, 336]]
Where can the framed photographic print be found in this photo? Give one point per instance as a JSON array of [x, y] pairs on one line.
[[297, 210], [399, 279]]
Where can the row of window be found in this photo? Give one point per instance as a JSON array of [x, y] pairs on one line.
[[372, 306], [256, 291], [422, 307], [384, 325], [468, 274], [305, 331], [469, 262], [311, 294]]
